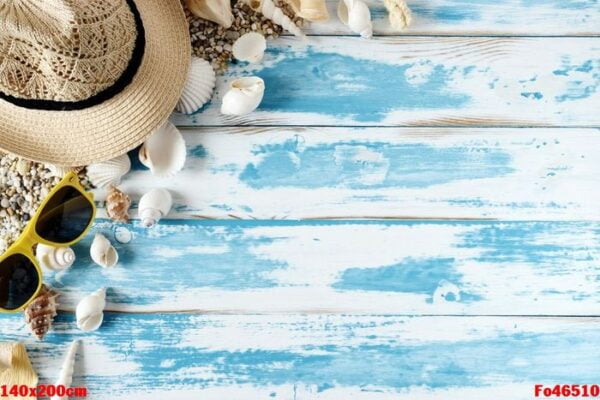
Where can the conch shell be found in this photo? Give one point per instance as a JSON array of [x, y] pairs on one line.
[[275, 14], [249, 47], [102, 252], [90, 311], [153, 206], [198, 87], [117, 204], [15, 368], [54, 258], [244, 96], [356, 15], [218, 11], [310, 10], [40, 313], [164, 152], [399, 13], [66, 372], [109, 172]]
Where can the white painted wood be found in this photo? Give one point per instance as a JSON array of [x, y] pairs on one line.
[[290, 173], [437, 81]]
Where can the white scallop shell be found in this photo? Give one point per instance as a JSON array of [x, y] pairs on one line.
[[250, 47], [244, 96], [58, 170], [198, 88], [102, 252], [90, 311], [154, 205], [109, 172], [54, 258], [65, 378], [356, 15], [164, 152]]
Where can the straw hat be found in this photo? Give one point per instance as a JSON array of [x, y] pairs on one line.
[[86, 81]]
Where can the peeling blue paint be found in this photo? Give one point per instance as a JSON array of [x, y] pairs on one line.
[[198, 151], [532, 95]]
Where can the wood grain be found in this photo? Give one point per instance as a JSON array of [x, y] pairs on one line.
[[482, 17], [338, 81], [318, 357], [368, 267], [292, 173]]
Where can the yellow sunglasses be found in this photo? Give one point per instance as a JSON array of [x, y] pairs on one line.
[[62, 219]]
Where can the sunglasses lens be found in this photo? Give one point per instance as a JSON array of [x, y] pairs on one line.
[[65, 217], [18, 281]]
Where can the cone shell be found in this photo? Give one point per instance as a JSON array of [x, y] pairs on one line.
[[244, 96], [154, 205], [164, 152], [54, 258], [268, 9], [356, 15], [109, 172], [198, 88], [250, 47], [65, 378], [218, 11], [40, 313], [102, 252], [90, 311], [117, 204]]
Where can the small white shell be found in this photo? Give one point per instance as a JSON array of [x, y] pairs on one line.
[[54, 258], [250, 47], [198, 88], [164, 152], [154, 205], [244, 96], [66, 372], [109, 172], [123, 235], [102, 252], [356, 15], [89, 311]]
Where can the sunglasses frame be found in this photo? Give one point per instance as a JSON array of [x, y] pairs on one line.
[[29, 237]]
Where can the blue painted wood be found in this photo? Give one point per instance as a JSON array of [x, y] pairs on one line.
[[429, 81], [318, 356], [379, 267]]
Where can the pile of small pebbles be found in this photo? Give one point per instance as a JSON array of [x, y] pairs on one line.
[[213, 43], [23, 186]]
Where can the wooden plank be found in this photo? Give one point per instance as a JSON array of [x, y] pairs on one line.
[[367, 267], [319, 357], [482, 17], [263, 173], [428, 81]]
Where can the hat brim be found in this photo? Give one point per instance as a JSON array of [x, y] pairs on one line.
[[110, 129]]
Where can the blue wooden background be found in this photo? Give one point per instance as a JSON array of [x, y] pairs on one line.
[[412, 217]]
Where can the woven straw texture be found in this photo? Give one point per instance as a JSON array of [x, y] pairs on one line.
[[104, 34]]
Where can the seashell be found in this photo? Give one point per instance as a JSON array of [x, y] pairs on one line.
[[103, 253], [109, 172], [218, 11], [65, 378], [15, 367], [198, 87], [40, 313], [268, 9], [244, 96], [57, 170], [153, 206], [90, 311], [310, 10], [356, 15], [117, 204], [399, 14], [164, 152], [250, 47], [54, 258], [123, 235]]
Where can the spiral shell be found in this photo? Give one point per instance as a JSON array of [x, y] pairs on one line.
[[90, 311], [356, 15], [153, 206], [249, 47], [244, 96], [310, 10], [102, 252], [198, 88], [54, 258], [117, 204], [40, 313], [109, 172], [275, 14], [65, 378]]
